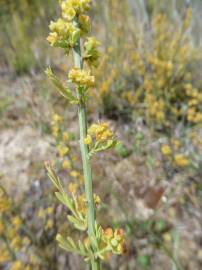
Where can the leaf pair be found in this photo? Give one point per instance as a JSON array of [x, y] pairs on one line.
[[69, 245], [98, 147], [77, 218]]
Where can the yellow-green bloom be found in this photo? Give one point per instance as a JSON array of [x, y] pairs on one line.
[[101, 132], [91, 53], [181, 160], [63, 34], [115, 240], [71, 8], [81, 77], [84, 23]]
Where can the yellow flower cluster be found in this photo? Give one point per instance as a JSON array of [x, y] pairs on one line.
[[99, 138], [81, 78], [62, 150], [101, 132], [115, 240], [63, 32], [84, 24], [166, 150], [181, 160], [46, 214], [72, 187], [194, 114], [9, 230], [19, 265], [67, 160], [71, 8], [80, 201], [55, 125], [164, 92], [91, 53], [4, 202], [130, 97], [62, 139], [157, 109], [177, 159], [166, 64], [11, 239], [4, 255]]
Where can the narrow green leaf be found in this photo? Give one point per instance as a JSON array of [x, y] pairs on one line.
[[64, 199], [82, 248], [64, 91], [63, 243], [79, 224], [71, 242]]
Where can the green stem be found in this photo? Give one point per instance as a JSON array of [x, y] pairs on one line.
[[95, 263]]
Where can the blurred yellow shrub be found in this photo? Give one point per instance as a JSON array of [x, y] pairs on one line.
[[152, 69]]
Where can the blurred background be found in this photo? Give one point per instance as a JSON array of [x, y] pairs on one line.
[[149, 88]]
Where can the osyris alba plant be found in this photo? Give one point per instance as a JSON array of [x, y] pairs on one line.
[[97, 243]]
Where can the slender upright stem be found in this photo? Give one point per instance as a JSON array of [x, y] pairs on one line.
[[95, 263]]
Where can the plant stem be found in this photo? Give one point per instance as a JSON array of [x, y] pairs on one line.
[[87, 170]]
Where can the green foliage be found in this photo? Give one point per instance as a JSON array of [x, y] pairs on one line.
[[144, 261], [64, 91], [121, 150]]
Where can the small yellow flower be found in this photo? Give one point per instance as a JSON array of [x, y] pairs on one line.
[[69, 13], [176, 144], [66, 164], [4, 256], [55, 131], [41, 213], [118, 234], [97, 199], [81, 201], [49, 224], [4, 203], [62, 150], [167, 237], [101, 131], [87, 242], [74, 174], [17, 265], [79, 6], [88, 140], [84, 22], [16, 242], [81, 77], [181, 160], [91, 53], [28, 267], [72, 188], [65, 136], [115, 240], [57, 118], [166, 150], [50, 210], [16, 221], [108, 233], [53, 38]]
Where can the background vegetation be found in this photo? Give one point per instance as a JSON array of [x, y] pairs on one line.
[[149, 88]]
